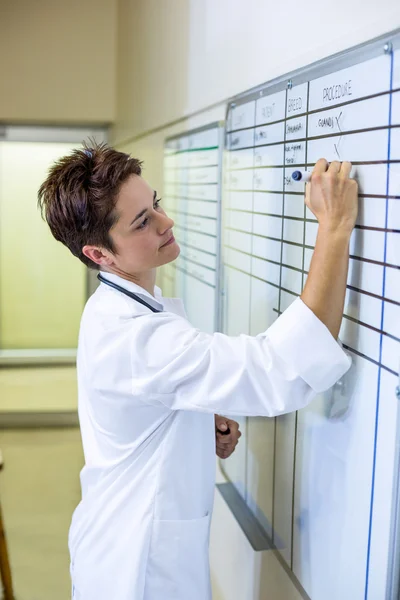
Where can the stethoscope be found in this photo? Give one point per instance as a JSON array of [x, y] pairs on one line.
[[127, 293]]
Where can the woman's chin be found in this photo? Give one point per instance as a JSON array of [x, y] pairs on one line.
[[172, 254]]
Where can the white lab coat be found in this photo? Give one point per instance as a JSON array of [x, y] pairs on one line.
[[149, 386]]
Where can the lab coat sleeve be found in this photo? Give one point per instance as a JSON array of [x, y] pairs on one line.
[[276, 372]]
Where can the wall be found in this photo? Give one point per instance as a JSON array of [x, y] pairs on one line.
[[178, 62], [58, 61], [179, 57]]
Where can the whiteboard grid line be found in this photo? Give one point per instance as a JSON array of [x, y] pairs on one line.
[[317, 110], [360, 354], [190, 167], [198, 249], [184, 197], [362, 195], [309, 247], [194, 276], [196, 216], [279, 307], [321, 136], [214, 270]]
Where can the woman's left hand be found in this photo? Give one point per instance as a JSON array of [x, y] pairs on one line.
[[226, 443]]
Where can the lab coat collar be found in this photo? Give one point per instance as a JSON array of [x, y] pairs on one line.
[[156, 301]]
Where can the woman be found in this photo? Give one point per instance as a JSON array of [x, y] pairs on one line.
[[150, 384]]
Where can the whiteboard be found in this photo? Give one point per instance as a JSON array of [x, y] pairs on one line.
[[192, 197], [322, 482]]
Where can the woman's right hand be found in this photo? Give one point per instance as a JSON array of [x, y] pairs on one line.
[[332, 196]]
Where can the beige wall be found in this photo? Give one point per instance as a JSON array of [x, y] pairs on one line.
[[152, 55], [58, 61]]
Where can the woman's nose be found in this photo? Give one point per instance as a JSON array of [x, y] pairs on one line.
[[166, 223]]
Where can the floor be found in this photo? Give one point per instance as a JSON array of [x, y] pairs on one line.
[[39, 489]]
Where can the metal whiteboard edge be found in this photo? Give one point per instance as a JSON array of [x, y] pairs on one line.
[[253, 530], [250, 526], [324, 66]]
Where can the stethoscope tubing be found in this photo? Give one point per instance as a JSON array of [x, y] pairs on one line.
[[121, 289]]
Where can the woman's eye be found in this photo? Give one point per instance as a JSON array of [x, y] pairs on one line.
[[156, 205], [143, 224]]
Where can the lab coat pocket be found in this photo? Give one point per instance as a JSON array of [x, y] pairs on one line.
[[178, 565]]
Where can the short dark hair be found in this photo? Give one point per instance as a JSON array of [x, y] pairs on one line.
[[79, 195]]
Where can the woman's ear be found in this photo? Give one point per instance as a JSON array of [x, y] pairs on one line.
[[98, 255]]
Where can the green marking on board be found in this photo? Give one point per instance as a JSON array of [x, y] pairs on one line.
[[194, 150]]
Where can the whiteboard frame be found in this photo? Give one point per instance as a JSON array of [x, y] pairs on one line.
[[384, 44]]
